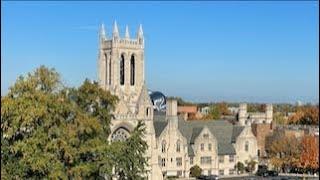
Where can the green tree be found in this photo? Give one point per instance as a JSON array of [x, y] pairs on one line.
[[279, 118], [214, 112], [50, 131], [217, 110], [240, 167], [251, 165], [130, 160], [195, 171]]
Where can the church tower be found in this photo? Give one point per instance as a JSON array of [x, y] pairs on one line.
[[121, 71], [121, 68]]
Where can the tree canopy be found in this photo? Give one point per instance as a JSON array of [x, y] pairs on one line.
[[288, 152], [217, 110], [195, 171], [306, 115], [52, 131], [309, 158]]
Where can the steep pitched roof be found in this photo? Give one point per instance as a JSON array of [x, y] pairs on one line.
[[236, 132], [144, 97], [195, 133], [224, 132], [226, 149]]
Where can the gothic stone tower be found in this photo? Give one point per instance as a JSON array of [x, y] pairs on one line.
[[121, 71]]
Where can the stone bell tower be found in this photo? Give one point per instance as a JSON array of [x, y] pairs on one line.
[[121, 71], [121, 67]]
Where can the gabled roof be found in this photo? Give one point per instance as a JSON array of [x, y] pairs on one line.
[[236, 132], [144, 97], [195, 133], [159, 123], [224, 132], [226, 149]]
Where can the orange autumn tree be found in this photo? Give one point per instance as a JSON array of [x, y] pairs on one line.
[[308, 115], [309, 158], [284, 151]]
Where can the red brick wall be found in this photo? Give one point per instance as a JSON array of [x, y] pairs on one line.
[[261, 131]]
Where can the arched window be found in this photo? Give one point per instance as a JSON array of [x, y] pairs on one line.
[[147, 112], [163, 146], [246, 148], [106, 67], [132, 70], [178, 146], [122, 70], [121, 134]]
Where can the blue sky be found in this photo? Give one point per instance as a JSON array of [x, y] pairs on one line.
[[201, 51]]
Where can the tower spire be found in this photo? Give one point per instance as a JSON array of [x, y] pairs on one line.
[[102, 32], [115, 32], [140, 35], [127, 36], [140, 32]]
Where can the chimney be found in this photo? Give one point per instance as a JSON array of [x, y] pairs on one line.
[[171, 107], [242, 115], [172, 118], [269, 113]]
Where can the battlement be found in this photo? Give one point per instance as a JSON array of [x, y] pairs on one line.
[[117, 41], [122, 43]]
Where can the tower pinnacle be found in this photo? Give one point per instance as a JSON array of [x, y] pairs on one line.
[[127, 36], [115, 32], [102, 32], [140, 32]]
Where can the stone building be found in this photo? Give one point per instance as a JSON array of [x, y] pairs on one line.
[[174, 145], [121, 71], [214, 145], [247, 118]]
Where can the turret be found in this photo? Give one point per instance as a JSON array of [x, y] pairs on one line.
[[269, 113], [127, 35], [115, 32], [140, 37], [242, 115], [102, 33]]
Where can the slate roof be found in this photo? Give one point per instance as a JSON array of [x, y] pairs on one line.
[[224, 132], [236, 132], [159, 123]]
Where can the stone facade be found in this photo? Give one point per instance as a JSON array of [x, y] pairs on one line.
[[174, 145], [246, 118], [214, 145], [121, 71]]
